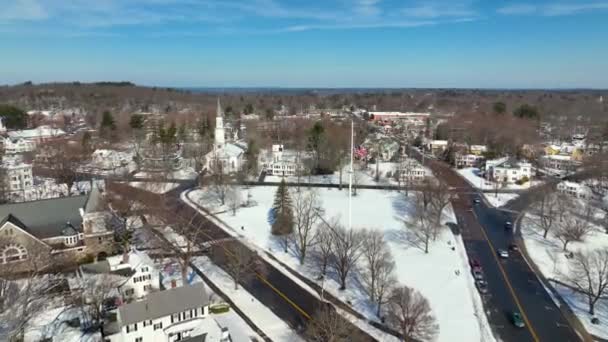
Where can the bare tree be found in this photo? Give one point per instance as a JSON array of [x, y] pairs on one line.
[[62, 161], [439, 196], [378, 275], [589, 274], [95, 290], [306, 210], [328, 326], [575, 224], [20, 302], [419, 226], [240, 262], [346, 248], [356, 179], [547, 210], [410, 313], [219, 181], [323, 249], [233, 197]]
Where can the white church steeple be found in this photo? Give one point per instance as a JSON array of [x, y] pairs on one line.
[[219, 127]]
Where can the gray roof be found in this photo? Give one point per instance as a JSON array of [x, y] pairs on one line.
[[47, 218], [164, 303]]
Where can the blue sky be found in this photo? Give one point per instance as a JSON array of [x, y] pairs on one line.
[[313, 43]]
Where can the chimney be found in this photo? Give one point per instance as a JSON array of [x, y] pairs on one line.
[[173, 283]]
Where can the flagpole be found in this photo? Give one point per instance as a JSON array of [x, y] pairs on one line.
[[350, 176]]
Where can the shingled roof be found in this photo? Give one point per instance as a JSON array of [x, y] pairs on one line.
[[46, 218]]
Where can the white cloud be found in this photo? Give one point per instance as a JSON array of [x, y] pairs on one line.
[[22, 10], [517, 9], [553, 9]]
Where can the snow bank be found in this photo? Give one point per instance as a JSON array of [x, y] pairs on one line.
[[500, 199]]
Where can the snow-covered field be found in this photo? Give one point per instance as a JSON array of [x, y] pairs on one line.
[[434, 275], [53, 323], [551, 260], [500, 199], [471, 174]]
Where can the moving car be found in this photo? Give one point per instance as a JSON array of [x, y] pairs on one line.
[[503, 253], [482, 286], [477, 274], [517, 320], [513, 247], [508, 225], [477, 201]]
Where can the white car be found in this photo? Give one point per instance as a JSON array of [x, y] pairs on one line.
[[503, 253]]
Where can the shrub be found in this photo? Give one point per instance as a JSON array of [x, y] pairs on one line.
[[219, 308]]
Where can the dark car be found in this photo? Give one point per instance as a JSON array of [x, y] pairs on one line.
[[513, 247], [477, 201], [482, 286], [477, 274], [517, 320], [508, 225]]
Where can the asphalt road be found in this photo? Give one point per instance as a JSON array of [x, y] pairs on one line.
[[512, 284]]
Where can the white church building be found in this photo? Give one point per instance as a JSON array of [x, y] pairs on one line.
[[230, 154]]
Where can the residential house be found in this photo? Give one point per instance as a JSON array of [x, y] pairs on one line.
[[17, 179], [575, 189], [53, 232], [17, 145], [478, 150], [510, 171], [437, 146], [176, 314], [411, 171], [139, 272], [281, 162], [107, 160], [468, 160], [560, 163]]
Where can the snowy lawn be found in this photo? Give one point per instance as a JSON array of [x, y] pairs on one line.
[[183, 173], [53, 323], [449, 294], [549, 257], [500, 199], [260, 315], [471, 174]]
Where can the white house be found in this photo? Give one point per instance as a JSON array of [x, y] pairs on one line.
[[230, 155], [140, 276], [468, 160], [410, 170], [575, 189], [167, 316], [103, 159], [18, 145], [279, 162], [560, 163], [510, 171], [17, 178], [437, 146]]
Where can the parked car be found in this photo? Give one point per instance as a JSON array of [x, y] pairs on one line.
[[477, 201], [482, 286], [503, 253], [475, 264], [517, 320], [477, 274]]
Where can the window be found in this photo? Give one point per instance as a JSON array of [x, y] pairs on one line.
[[144, 269], [188, 314], [147, 323], [139, 339], [158, 326], [131, 327], [129, 292], [175, 318], [147, 287], [12, 253]]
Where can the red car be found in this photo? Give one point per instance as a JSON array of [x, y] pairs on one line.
[[475, 265]]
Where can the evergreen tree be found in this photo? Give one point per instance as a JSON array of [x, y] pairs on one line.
[[283, 211], [108, 125], [136, 121]]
